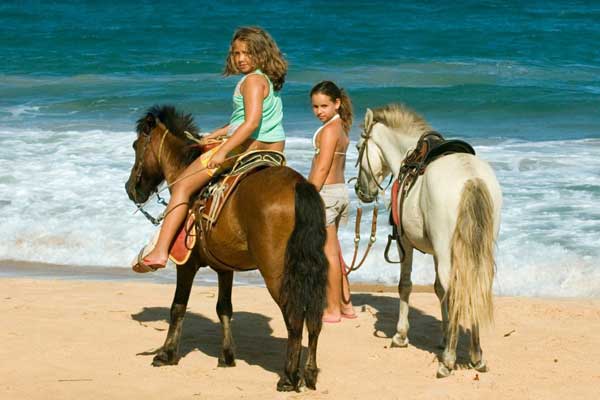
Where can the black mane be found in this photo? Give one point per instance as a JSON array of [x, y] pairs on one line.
[[176, 122]]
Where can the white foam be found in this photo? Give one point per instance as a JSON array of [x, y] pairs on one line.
[[62, 200]]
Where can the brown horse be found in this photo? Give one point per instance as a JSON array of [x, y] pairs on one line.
[[274, 221]]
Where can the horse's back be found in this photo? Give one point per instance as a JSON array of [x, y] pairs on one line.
[[431, 208], [444, 182]]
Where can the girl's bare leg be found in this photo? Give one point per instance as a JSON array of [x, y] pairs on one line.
[[177, 211], [332, 311]]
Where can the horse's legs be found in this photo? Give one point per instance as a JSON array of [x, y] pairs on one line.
[[168, 354], [400, 339], [440, 292], [291, 379], [310, 369], [477, 361], [448, 360], [224, 311]]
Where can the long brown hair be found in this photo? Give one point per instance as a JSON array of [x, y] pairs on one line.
[[332, 91], [264, 53]]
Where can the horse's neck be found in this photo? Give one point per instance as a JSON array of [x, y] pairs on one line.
[[171, 168], [395, 147], [172, 174]]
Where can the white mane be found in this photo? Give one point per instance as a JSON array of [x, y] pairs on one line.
[[401, 118]]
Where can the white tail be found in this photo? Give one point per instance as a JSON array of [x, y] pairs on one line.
[[472, 271]]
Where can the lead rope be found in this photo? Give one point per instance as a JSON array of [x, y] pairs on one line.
[[346, 270]]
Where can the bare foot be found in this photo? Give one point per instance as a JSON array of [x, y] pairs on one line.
[[348, 311], [331, 318]]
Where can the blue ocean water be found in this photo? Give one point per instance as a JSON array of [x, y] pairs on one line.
[[520, 81]]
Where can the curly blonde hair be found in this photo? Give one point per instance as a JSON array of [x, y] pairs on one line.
[[264, 53]]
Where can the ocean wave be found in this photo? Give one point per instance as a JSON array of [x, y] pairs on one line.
[[62, 201]]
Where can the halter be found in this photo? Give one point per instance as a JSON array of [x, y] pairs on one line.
[[366, 136]]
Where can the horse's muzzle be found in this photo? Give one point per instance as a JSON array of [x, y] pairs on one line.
[[136, 195], [362, 196]]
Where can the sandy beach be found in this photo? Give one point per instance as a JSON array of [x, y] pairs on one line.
[[67, 339]]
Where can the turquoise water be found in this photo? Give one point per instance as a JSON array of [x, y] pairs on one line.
[[519, 81]]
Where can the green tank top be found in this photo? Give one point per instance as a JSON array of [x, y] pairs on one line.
[[270, 128]]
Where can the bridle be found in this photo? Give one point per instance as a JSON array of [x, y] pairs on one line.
[[139, 166], [366, 136]]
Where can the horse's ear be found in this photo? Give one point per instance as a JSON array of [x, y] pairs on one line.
[[149, 123], [368, 120]]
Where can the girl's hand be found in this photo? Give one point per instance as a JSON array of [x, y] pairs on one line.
[[216, 160]]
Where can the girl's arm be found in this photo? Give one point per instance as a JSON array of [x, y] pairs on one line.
[[323, 160], [253, 92]]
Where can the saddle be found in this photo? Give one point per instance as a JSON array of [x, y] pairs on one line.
[[429, 148], [209, 203]]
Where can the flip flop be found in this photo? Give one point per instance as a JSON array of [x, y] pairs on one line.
[[331, 320], [141, 267]]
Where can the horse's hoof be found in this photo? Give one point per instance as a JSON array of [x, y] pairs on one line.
[[284, 385], [310, 378], [164, 358], [442, 371], [227, 359], [225, 363], [398, 341], [481, 366]]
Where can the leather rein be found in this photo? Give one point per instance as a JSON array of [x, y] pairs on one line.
[[363, 152]]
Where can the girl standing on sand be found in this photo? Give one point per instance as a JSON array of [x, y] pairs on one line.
[[255, 124], [332, 106]]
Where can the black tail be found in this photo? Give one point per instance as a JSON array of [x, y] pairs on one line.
[[305, 276]]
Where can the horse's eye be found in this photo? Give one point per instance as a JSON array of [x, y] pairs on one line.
[[134, 144]]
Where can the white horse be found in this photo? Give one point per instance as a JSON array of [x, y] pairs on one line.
[[452, 212]]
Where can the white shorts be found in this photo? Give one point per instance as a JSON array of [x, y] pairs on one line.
[[337, 202]]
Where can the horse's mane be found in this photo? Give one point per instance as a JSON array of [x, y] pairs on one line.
[[177, 123], [401, 118]]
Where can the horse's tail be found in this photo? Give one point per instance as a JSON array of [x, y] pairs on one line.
[[305, 275], [472, 249]]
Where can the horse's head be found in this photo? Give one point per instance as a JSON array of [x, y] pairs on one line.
[[389, 133], [372, 168], [161, 150]]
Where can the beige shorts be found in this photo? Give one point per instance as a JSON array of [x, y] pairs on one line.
[[337, 202], [205, 159]]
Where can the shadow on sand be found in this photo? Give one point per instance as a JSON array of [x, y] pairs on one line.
[[202, 334], [425, 331]]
